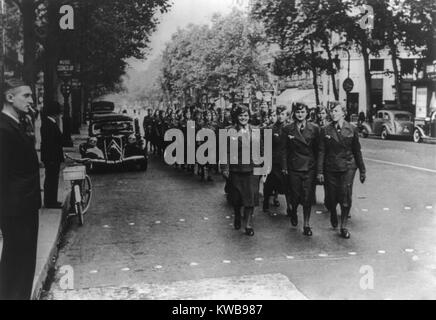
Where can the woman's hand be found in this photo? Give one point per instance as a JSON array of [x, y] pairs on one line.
[[362, 177]]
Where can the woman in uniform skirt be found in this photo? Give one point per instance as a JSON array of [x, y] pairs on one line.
[[243, 185], [300, 141], [339, 158], [275, 181]]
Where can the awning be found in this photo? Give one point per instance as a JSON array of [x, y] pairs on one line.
[[290, 96]]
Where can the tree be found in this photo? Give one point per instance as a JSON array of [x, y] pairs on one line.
[[403, 24], [108, 32], [215, 60]]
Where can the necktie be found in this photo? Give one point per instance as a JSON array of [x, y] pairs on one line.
[[301, 128]]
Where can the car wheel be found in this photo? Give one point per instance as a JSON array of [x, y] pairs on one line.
[[417, 136], [384, 135], [365, 133]]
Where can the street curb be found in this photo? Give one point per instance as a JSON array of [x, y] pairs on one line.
[[41, 278], [42, 274]]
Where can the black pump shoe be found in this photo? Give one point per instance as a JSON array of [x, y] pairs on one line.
[[249, 232], [307, 231], [237, 223], [345, 234], [334, 220], [294, 218]]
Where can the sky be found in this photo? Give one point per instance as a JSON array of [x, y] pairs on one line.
[[182, 13]]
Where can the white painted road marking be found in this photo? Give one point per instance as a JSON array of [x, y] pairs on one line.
[[401, 165]]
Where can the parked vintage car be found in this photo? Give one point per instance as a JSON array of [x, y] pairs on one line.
[[425, 128], [114, 139], [389, 123]]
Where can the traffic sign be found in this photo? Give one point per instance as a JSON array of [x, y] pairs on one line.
[[348, 85], [65, 68]]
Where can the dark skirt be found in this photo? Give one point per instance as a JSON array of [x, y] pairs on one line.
[[275, 181], [301, 186], [243, 189], [339, 186]]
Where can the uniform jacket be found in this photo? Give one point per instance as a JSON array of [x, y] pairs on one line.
[[20, 193], [51, 142], [339, 152], [300, 149], [277, 151], [239, 167]]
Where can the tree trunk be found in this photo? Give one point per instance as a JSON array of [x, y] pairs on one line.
[[51, 53], [365, 55], [29, 42], [331, 67], [397, 76], [314, 72]]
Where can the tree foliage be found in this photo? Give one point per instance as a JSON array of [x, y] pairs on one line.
[[217, 59]]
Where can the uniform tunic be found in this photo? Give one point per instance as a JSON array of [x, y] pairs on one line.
[[339, 157], [242, 184], [300, 160]]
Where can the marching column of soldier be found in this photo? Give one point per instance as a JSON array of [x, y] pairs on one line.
[[310, 147]]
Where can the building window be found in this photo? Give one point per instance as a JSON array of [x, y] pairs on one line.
[[407, 67], [377, 65]]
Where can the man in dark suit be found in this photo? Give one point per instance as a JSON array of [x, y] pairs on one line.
[[51, 153], [300, 141], [20, 195]]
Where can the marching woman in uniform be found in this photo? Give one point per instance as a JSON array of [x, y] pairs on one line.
[[323, 121], [243, 185], [207, 124], [300, 142], [339, 158], [275, 181]]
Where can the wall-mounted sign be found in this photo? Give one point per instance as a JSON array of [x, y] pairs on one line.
[[421, 102], [65, 68], [348, 85]]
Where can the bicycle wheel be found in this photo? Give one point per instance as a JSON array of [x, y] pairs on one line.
[[86, 192]]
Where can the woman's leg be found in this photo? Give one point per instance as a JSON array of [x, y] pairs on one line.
[[248, 217], [237, 219], [346, 201], [267, 190]]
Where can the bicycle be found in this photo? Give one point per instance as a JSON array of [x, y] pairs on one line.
[[81, 188]]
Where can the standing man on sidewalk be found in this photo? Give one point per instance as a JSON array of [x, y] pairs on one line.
[[52, 154], [20, 195]]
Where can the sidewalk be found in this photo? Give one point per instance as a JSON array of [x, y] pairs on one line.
[[51, 222]]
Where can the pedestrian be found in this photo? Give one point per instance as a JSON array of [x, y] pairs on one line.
[[52, 154], [243, 185], [300, 141], [147, 125], [20, 195], [275, 183], [339, 158]]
